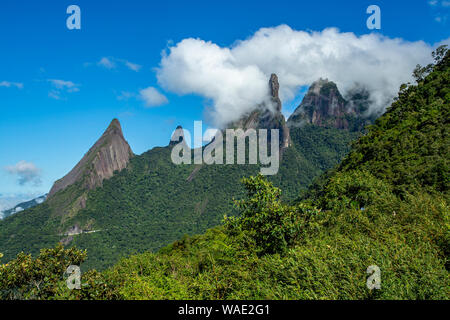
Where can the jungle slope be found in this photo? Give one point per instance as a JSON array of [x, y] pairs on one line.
[[385, 205]]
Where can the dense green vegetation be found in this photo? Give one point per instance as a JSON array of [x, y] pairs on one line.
[[386, 204], [154, 202]]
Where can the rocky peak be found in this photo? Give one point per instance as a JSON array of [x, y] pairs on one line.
[[274, 89], [274, 85], [114, 128], [109, 154], [177, 136], [267, 116], [324, 106]]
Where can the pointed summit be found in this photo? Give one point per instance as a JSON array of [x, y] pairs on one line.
[[267, 116], [274, 89], [274, 85], [115, 124], [177, 136], [110, 153]]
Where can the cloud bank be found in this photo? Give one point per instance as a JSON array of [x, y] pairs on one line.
[[26, 172], [235, 79]]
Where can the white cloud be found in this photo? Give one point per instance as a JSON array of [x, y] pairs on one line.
[[60, 86], [235, 79], [111, 63], [9, 84], [106, 63], [440, 10], [152, 97], [26, 172], [133, 66], [54, 94], [125, 95]]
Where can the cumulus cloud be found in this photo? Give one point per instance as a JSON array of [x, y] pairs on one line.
[[9, 84], [26, 172], [235, 79], [152, 97]]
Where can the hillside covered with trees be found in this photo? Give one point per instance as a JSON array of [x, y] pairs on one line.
[[385, 204]]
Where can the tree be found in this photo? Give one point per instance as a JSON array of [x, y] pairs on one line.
[[37, 278], [272, 225]]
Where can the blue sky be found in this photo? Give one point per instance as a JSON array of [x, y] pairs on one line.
[[57, 95]]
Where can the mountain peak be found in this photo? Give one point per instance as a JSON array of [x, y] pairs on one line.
[[115, 124], [317, 85], [114, 128], [324, 106], [266, 116], [274, 85], [109, 154], [177, 136]]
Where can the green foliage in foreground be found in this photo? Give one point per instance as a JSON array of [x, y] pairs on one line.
[[39, 278], [327, 260]]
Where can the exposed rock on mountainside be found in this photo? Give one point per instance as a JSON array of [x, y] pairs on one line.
[[324, 106], [267, 115], [110, 153]]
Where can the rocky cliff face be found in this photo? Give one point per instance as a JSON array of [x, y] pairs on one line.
[[267, 116], [324, 106], [110, 153]]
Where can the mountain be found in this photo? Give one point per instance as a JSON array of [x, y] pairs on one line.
[[110, 153], [24, 205], [137, 203], [324, 106], [267, 116], [383, 210]]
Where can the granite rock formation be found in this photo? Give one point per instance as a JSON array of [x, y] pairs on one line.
[[109, 154]]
